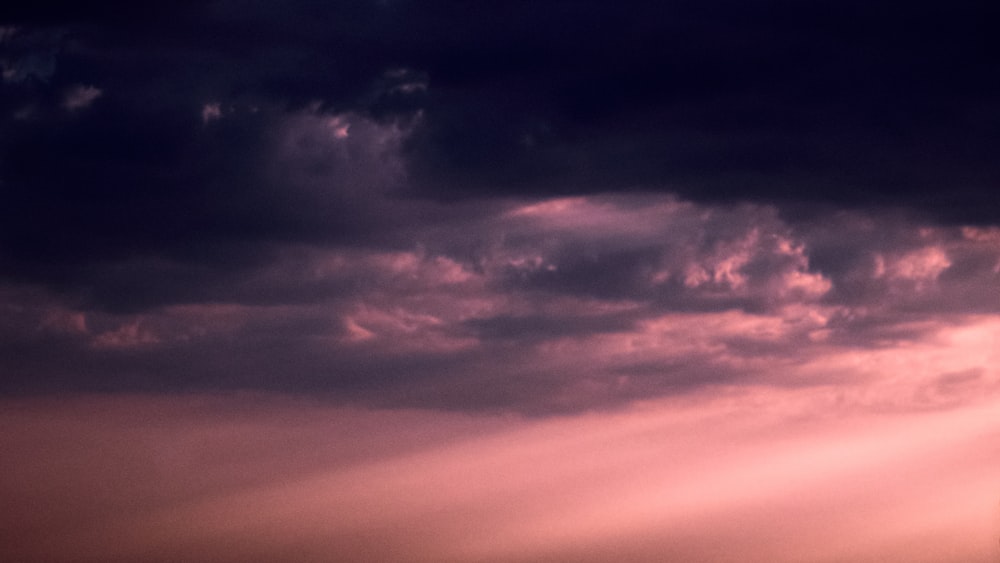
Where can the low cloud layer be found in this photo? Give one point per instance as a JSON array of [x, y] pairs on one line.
[[542, 304]]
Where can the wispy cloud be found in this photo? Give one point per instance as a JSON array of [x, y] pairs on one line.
[[80, 97]]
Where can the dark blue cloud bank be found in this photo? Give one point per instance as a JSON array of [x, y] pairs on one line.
[[522, 204]]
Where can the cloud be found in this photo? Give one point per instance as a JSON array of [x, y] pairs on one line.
[[207, 151], [80, 97], [372, 200], [211, 111], [202, 203], [555, 305], [771, 103]]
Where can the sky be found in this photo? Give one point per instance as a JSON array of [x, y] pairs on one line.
[[400, 280]]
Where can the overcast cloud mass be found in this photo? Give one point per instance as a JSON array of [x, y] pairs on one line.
[[657, 250]]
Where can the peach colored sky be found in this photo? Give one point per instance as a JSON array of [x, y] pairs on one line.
[[898, 470]]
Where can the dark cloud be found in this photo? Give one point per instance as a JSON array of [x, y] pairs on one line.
[[858, 103], [120, 202], [578, 202], [851, 103], [538, 327]]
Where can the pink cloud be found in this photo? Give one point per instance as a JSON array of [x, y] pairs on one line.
[[128, 335], [80, 97], [211, 112], [565, 303]]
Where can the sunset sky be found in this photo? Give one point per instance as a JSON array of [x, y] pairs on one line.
[[509, 281]]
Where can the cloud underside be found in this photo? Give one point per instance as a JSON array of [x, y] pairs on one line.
[[537, 305]]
